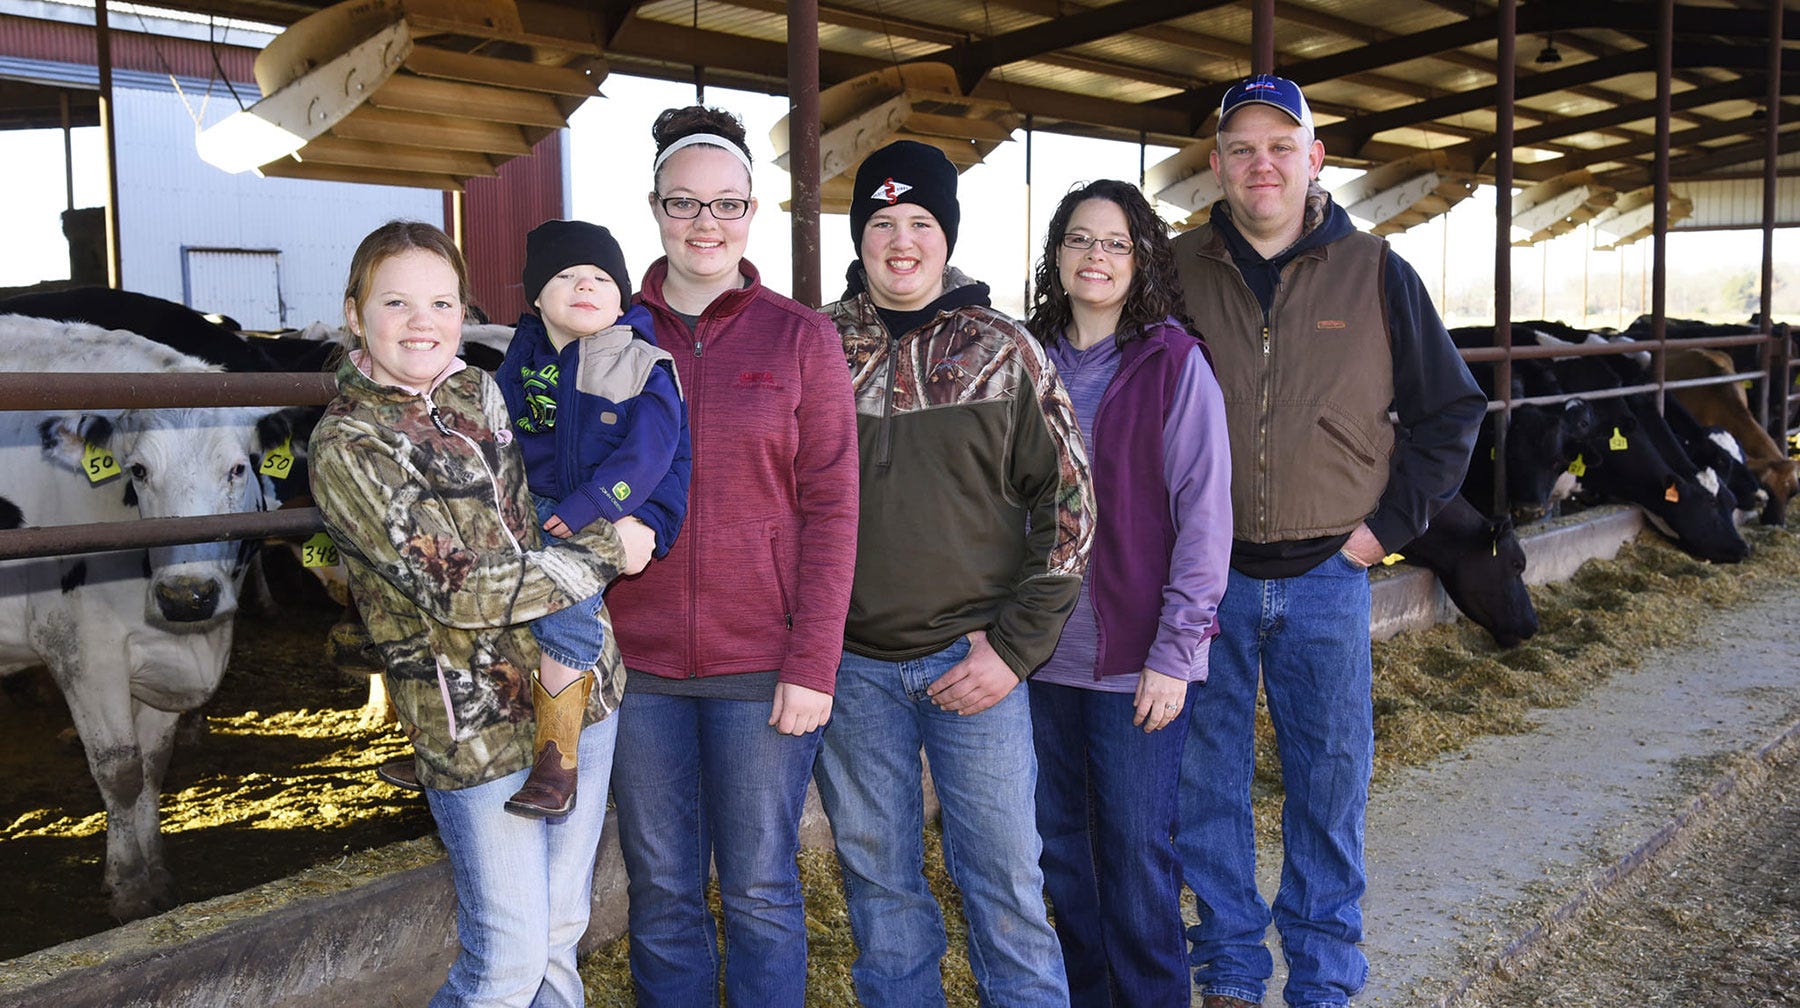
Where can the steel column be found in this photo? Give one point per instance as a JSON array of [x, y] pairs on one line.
[[1030, 274], [62, 101], [803, 146], [1262, 37], [1774, 406], [1659, 227], [115, 269], [1505, 86]]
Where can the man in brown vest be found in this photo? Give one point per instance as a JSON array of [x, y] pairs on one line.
[[1319, 332]]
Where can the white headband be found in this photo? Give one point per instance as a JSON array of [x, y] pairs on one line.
[[702, 138]]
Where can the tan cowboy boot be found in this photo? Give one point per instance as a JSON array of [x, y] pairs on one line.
[[550, 790]]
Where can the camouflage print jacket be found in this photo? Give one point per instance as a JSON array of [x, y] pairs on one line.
[[424, 495], [977, 505]]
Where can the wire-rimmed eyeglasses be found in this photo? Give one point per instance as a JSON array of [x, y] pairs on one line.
[[1082, 242], [687, 208]]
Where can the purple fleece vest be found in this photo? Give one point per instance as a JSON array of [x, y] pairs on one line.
[[1129, 565]]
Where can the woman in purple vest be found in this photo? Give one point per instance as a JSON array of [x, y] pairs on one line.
[[1109, 709]]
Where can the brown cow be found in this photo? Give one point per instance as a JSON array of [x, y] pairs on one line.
[[1725, 406]]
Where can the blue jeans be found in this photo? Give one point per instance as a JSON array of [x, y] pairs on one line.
[[523, 886], [1309, 636], [701, 782], [985, 772], [1106, 806], [575, 635]]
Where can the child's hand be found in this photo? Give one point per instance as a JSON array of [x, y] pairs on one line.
[[556, 527], [639, 541]]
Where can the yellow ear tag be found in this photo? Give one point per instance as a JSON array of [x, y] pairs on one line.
[[1495, 549], [1578, 468], [1490, 454], [1391, 559], [1747, 383], [280, 462], [319, 551], [98, 463], [1617, 442], [1671, 495]]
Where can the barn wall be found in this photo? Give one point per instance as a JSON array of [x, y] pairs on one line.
[[171, 200], [1737, 203], [499, 211]]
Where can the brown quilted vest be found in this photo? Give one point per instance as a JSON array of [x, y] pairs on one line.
[[1306, 400]]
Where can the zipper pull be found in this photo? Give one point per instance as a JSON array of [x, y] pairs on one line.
[[1265, 339], [436, 421], [696, 345]]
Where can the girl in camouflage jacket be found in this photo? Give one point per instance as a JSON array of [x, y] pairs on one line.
[[424, 494]]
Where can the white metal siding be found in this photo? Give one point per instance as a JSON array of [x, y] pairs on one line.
[[1737, 203], [170, 199], [248, 280]]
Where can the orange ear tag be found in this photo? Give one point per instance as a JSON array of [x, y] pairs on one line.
[[1671, 495]]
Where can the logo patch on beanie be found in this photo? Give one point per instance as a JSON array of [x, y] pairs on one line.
[[890, 191]]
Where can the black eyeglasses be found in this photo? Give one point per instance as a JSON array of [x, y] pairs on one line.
[[687, 208], [1081, 243]]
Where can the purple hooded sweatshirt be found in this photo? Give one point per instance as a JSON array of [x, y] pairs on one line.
[[1154, 422]]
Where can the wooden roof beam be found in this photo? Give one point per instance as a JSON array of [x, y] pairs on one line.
[[1480, 150], [1349, 136], [1790, 112], [1699, 164], [973, 60]]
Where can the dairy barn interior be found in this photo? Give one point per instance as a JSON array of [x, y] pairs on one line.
[[1627, 125]]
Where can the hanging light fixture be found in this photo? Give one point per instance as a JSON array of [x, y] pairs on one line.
[[1549, 53]]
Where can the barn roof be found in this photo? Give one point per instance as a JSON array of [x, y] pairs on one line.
[[1406, 89], [1387, 80]]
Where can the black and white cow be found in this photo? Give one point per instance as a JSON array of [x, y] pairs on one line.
[[1541, 440], [1481, 565], [1634, 457], [132, 638]]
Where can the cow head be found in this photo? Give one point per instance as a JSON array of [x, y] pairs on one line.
[[1481, 565], [180, 463], [1541, 443], [1676, 504], [1781, 478]]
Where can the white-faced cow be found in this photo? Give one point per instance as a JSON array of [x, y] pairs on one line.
[[133, 638]]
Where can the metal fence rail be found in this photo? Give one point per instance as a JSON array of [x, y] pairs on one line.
[[129, 390], [56, 391]]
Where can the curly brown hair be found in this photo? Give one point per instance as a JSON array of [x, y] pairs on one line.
[[1155, 292], [673, 124]]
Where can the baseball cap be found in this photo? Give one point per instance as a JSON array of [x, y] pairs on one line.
[[1270, 90]]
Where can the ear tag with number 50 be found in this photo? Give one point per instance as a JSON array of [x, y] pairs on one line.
[[279, 462], [319, 551], [98, 463]]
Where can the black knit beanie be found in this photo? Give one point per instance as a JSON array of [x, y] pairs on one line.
[[554, 246], [906, 171]]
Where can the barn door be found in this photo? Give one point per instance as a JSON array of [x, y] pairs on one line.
[[242, 283]]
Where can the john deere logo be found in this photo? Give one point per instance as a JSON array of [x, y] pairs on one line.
[[621, 490]]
